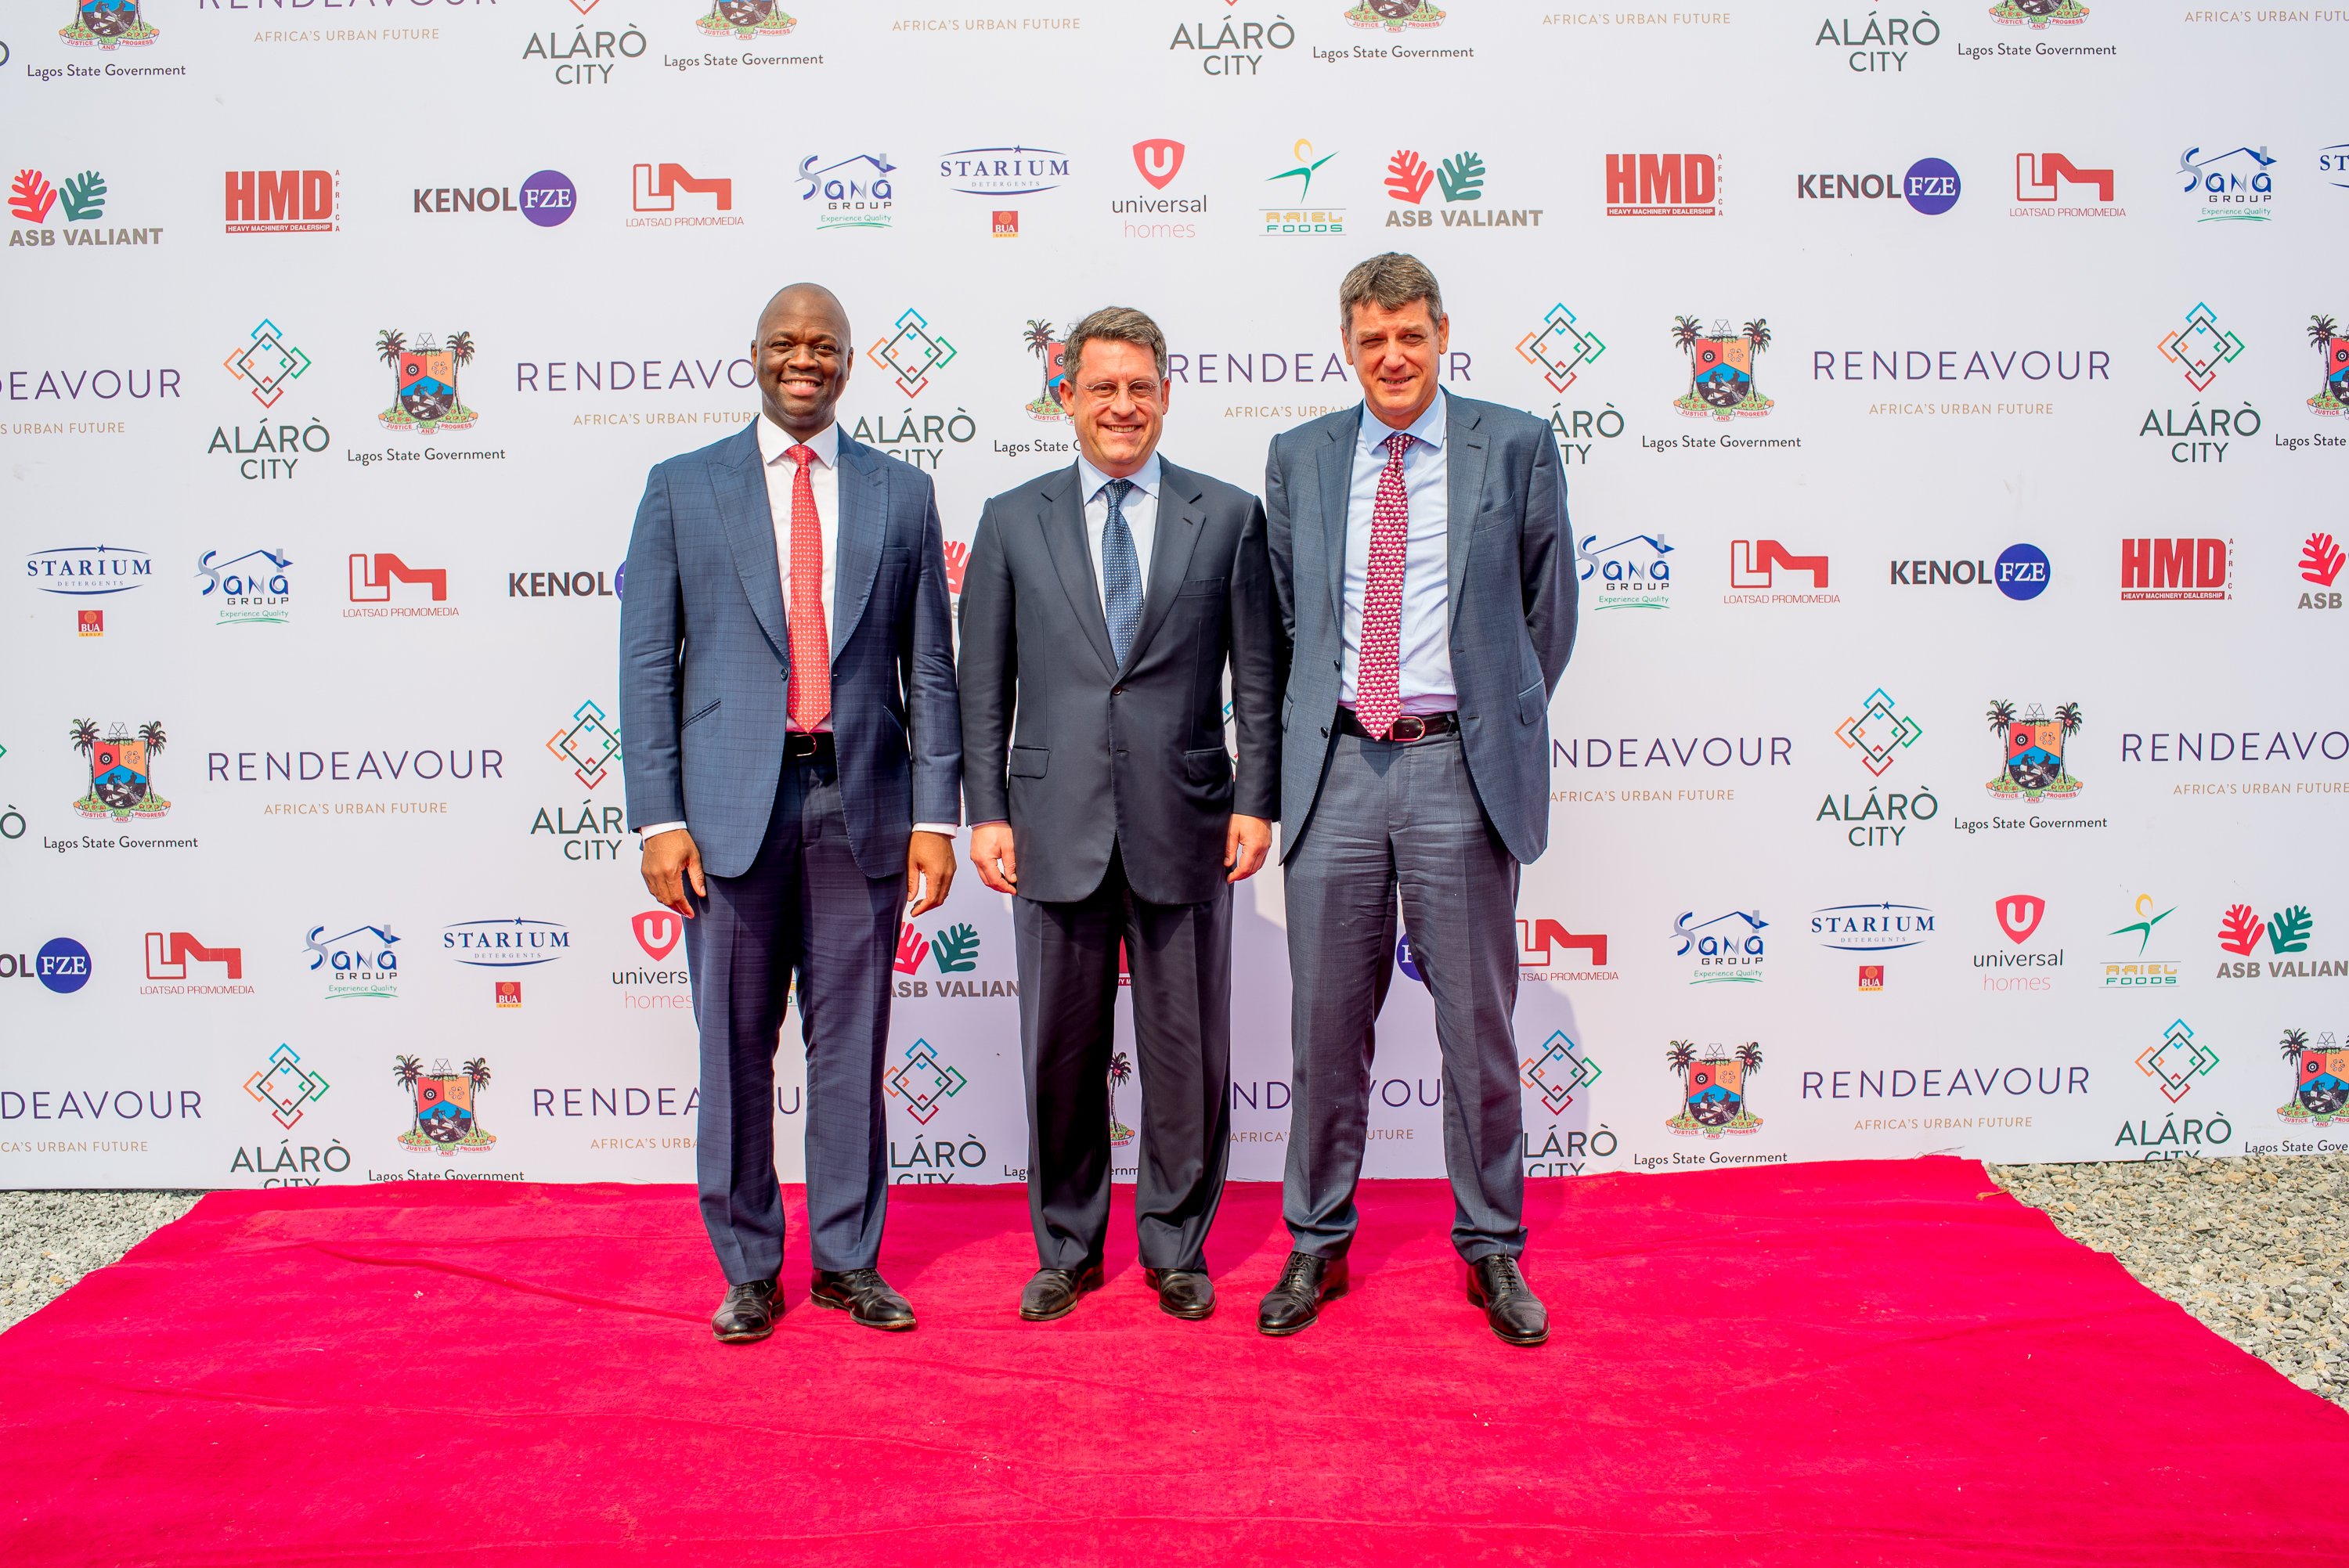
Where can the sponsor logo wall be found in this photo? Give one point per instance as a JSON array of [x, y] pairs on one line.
[[1950, 760]]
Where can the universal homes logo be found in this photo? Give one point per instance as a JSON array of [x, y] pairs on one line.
[[1460, 178], [548, 198], [1713, 1088], [80, 199], [2232, 187], [657, 932], [2018, 916], [584, 60], [107, 24], [1930, 187], [424, 382], [1238, 47], [1664, 184], [1728, 949], [120, 768], [444, 1102], [2139, 971], [85, 571], [249, 590], [1004, 170], [1872, 927], [1303, 218], [2287, 934], [854, 192], [360, 964], [1158, 160], [2320, 1092], [1877, 45]]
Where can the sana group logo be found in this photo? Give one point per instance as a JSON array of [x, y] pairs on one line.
[[444, 1105], [1713, 1087], [2232, 187], [856, 191], [1728, 949], [119, 765], [107, 24], [424, 382], [2320, 1091], [1721, 367], [253, 589], [2034, 768]]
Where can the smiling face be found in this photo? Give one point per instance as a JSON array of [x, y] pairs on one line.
[[1394, 354], [1118, 403], [803, 358]]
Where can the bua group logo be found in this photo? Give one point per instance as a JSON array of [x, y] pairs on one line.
[[119, 764], [424, 382], [445, 1102], [108, 24], [1713, 1088], [2320, 1087], [2034, 766], [1722, 384]]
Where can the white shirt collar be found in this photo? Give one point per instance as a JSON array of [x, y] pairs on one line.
[[1428, 426], [1147, 481], [774, 441]]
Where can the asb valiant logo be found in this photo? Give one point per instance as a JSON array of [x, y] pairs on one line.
[[747, 19], [108, 24], [360, 964], [2177, 569], [424, 382], [2175, 1061], [445, 1115], [1546, 948], [2039, 13], [1727, 948], [2319, 562], [2286, 933], [2321, 1080], [253, 589], [952, 951], [120, 785], [1872, 927], [1394, 16], [283, 202], [1631, 573], [80, 199], [2332, 394], [1663, 185], [2049, 185], [1459, 179], [2035, 744], [1713, 1087], [1722, 369], [83, 570], [854, 192]]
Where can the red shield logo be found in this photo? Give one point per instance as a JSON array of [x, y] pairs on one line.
[[657, 931], [1160, 160], [2018, 915]]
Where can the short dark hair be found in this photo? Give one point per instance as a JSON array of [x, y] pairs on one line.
[[1116, 324], [1389, 281]]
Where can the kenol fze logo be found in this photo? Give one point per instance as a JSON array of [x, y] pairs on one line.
[[1930, 186], [281, 202], [361, 964], [2022, 573], [80, 199], [119, 765], [854, 192], [548, 198], [1459, 179], [2237, 186], [1728, 949], [1303, 218], [1663, 185], [108, 24], [253, 589]]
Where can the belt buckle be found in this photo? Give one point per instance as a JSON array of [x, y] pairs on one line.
[[798, 744], [1418, 730]]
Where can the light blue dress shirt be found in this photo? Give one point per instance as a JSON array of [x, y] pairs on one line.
[[1425, 670]]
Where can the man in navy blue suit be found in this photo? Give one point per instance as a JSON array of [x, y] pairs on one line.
[[793, 764]]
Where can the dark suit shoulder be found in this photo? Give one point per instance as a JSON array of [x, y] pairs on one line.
[[1218, 494], [900, 472], [1500, 420], [1032, 493], [1310, 434], [725, 450]]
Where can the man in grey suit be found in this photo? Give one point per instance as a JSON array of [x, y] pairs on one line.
[[1420, 554], [1101, 605], [793, 758]]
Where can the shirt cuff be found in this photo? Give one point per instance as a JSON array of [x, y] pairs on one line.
[[949, 829], [649, 828], [993, 822]]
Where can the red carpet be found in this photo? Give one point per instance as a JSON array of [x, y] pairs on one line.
[[1868, 1362]]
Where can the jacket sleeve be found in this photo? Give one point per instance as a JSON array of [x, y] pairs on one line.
[[652, 614], [989, 673], [933, 714], [1279, 544], [1259, 672], [1546, 560]]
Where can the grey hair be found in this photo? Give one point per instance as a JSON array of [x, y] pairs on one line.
[[1389, 281], [1115, 324]]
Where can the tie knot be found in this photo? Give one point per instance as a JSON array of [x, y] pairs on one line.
[[1118, 491], [1398, 444], [803, 456]]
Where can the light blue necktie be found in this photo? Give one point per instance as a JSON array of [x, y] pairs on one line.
[[1121, 575]]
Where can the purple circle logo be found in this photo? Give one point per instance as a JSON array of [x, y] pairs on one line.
[[1931, 186], [548, 197]]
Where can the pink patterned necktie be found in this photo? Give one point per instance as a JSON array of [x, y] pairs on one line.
[[1378, 696], [809, 699]]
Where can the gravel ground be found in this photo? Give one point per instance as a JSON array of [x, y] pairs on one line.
[[2255, 1247]]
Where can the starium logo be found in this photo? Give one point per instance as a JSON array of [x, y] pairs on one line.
[[267, 364], [2175, 1061], [285, 1085], [2200, 347], [912, 352], [1557, 1071], [1560, 348], [588, 743], [1879, 734], [924, 1082]]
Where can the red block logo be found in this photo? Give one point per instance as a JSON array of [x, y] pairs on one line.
[[1755, 563], [372, 577], [168, 957]]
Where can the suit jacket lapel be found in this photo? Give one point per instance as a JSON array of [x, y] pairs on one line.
[[1179, 517], [1464, 470], [1063, 521], [861, 529], [741, 484], [1337, 495]]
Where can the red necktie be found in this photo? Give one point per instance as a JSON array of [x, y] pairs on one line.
[[810, 698], [1378, 697]]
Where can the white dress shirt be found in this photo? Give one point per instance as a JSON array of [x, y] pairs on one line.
[[1424, 678], [823, 478], [1140, 510]]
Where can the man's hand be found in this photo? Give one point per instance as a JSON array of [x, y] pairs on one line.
[[929, 859], [1246, 843], [994, 858], [672, 859]]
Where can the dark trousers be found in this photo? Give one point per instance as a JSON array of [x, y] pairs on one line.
[[1180, 958], [803, 907], [1397, 819]]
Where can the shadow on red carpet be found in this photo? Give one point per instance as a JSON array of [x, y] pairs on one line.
[[1884, 1362]]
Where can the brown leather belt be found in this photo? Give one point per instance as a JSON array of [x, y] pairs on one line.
[[1407, 727], [800, 746]]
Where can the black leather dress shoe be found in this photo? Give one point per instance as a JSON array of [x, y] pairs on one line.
[[1294, 1305], [1053, 1293], [1183, 1292], [1517, 1315], [747, 1314], [865, 1296]]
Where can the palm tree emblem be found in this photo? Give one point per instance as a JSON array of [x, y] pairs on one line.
[[1040, 344], [477, 1072], [2001, 718], [1121, 1071], [1757, 333], [1681, 1058], [1686, 331], [390, 346], [2322, 331], [460, 348], [83, 733]]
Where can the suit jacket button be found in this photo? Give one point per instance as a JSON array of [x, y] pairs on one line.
[[1325, 732], [1117, 691]]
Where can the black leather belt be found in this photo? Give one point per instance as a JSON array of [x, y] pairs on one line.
[[1407, 727], [799, 747]]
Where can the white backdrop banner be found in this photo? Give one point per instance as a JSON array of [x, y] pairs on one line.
[[1950, 401]]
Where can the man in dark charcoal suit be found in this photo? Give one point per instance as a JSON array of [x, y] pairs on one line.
[[794, 753], [1100, 606], [1421, 551]]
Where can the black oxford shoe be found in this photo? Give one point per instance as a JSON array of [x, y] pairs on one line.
[[1183, 1292], [1053, 1293], [1295, 1304], [1517, 1315], [747, 1314], [865, 1296]]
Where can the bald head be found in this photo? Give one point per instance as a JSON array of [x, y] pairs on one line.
[[803, 357]]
